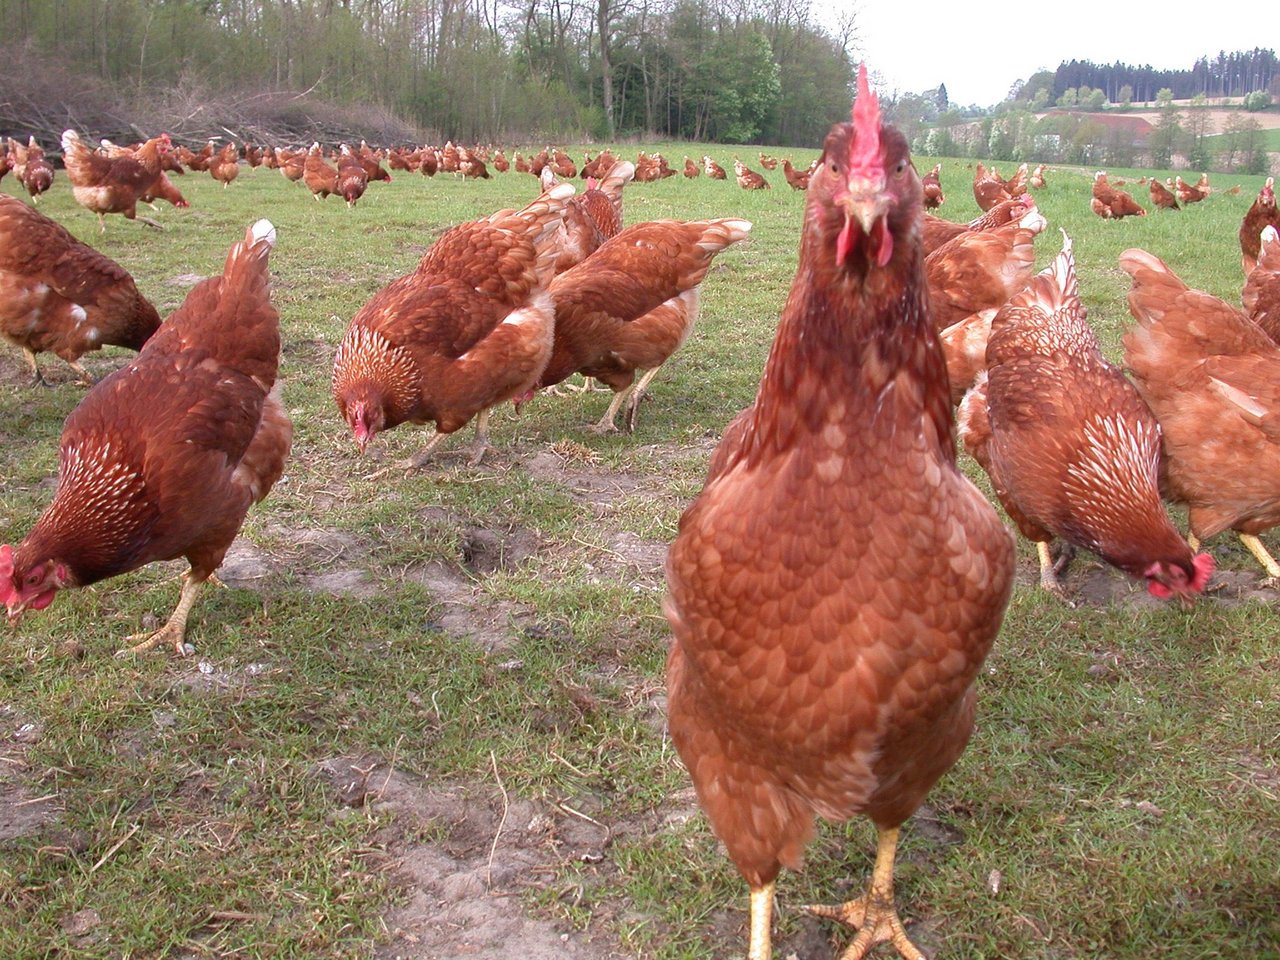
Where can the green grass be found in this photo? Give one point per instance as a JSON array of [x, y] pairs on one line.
[[1123, 778], [1270, 142]]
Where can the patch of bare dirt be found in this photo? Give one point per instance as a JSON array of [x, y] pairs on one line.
[[467, 855], [22, 811]]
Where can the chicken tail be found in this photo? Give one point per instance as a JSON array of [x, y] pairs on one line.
[[720, 234]]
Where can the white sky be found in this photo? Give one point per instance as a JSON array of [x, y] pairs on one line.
[[915, 46]]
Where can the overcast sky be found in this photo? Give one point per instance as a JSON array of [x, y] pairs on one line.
[[979, 55]]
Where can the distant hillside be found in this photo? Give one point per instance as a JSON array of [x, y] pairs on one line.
[[1226, 75]]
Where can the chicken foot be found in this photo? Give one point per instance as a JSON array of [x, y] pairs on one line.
[[874, 915], [1049, 569], [37, 380], [632, 396], [175, 631], [1263, 556]]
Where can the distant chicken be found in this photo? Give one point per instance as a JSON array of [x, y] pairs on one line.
[[631, 304], [470, 328], [1017, 184], [932, 183], [747, 178], [713, 169], [197, 162], [1072, 450], [163, 458], [1261, 214], [980, 270], [500, 162], [988, 187], [352, 179], [1112, 203], [562, 165], [1162, 196], [1212, 378], [691, 169], [225, 165], [1036, 180], [60, 295], [768, 162], [833, 590], [320, 177], [37, 176], [164, 189], [112, 185], [1188, 193], [293, 164], [796, 179], [1261, 294]]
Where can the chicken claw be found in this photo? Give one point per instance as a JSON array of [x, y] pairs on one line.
[[175, 631], [874, 915]]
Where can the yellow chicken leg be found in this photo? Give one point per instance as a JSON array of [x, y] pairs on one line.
[[175, 631], [1261, 554], [760, 939], [874, 915]]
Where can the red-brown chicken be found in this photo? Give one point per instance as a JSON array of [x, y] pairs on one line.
[[352, 178], [713, 169], [1161, 196], [37, 172], [163, 458], [1036, 180], [1189, 193], [164, 189], [835, 587], [469, 329], [796, 179], [318, 174], [1261, 214], [293, 164], [631, 304], [964, 344], [989, 188], [60, 295], [224, 166], [1212, 378], [1112, 203], [1072, 451], [982, 269], [691, 169], [932, 183], [1261, 294], [938, 231], [747, 178], [112, 185], [592, 217]]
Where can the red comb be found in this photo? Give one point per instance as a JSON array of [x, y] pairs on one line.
[[864, 154]]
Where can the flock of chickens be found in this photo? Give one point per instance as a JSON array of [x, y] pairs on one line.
[[837, 584]]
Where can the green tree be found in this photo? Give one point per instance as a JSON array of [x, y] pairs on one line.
[[1070, 97], [1126, 95], [1166, 136]]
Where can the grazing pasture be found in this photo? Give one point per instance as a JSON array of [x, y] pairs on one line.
[[426, 717]]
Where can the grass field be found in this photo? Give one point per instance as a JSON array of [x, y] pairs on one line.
[[425, 719]]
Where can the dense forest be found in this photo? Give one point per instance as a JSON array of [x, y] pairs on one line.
[[726, 70], [1227, 75]]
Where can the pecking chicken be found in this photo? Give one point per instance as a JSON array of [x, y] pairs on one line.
[[712, 169], [747, 178], [1017, 184], [1072, 451], [1162, 196], [691, 169], [768, 162], [988, 187], [60, 295], [982, 269], [1262, 213], [469, 329], [1112, 203], [164, 457], [105, 184], [836, 585], [631, 304], [1036, 180], [1212, 378], [932, 183], [1261, 294], [352, 178], [318, 174]]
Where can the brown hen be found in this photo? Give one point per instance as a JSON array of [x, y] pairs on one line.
[[1262, 213], [105, 184], [836, 585], [469, 329], [61, 295], [1212, 378], [1072, 451], [1261, 294], [163, 458]]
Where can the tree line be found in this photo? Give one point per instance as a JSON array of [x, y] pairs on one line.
[[1235, 74], [476, 70]]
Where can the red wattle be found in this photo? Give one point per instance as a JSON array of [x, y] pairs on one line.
[[845, 242], [1204, 565], [885, 239]]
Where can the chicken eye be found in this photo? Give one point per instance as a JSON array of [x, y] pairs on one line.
[[835, 167], [902, 165], [33, 579]]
